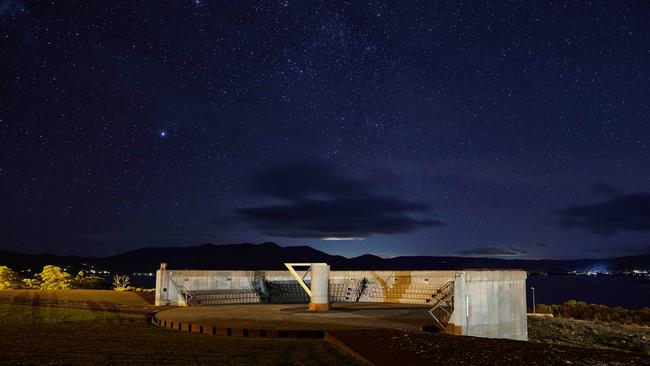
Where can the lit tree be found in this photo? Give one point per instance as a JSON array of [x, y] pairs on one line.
[[121, 283], [54, 278], [9, 279]]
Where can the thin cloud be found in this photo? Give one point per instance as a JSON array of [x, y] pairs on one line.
[[319, 203], [495, 251], [336, 238], [630, 212], [604, 189]]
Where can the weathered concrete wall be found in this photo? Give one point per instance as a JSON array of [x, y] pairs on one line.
[[486, 303], [384, 286], [491, 304]]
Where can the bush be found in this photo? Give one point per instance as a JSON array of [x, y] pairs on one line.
[[121, 282], [583, 311], [543, 309], [84, 281], [31, 283], [9, 279], [140, 289], [135, 289], [55, 278]]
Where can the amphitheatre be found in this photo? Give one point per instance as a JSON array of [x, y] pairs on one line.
[[310, 300], [306, 315]]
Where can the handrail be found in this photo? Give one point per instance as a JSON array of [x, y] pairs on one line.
[[444, 295], [186, 295]]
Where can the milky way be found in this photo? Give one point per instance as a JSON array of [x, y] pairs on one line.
[[437, 128]]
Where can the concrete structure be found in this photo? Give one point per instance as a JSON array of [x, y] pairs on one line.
[[272, 320], [320, 285], [481, 303], [319, 298]]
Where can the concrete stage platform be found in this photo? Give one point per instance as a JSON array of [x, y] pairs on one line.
[[293, 320]]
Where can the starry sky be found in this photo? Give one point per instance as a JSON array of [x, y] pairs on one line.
[[511, 129]]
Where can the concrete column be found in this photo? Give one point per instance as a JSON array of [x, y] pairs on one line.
[[161, 287], [320, 287]]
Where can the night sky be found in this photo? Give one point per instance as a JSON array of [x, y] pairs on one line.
[[514, 129]]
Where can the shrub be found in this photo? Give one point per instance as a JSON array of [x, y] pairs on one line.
[[543, 309], [9, 279], [84, 281], [31, 283], [121, 282], [583, 311], [140, 289]]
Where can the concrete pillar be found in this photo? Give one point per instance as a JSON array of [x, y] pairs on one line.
[[161, 288], [320, 287]]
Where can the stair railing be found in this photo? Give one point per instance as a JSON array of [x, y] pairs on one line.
[[443, 305], [186, 295]]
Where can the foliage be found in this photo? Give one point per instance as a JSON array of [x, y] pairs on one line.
[[141, 289], [583, 311], [54, 278], [84, 281], [121, 282], [543, 309], [32, 283], [9, 279], [137, 289]]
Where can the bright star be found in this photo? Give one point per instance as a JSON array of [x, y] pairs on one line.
[[162, 133]]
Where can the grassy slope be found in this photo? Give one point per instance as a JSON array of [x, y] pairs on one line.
[[44, 335], [109, 296], [36, 315]]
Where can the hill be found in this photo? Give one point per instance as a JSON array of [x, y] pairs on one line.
[[272, 256]]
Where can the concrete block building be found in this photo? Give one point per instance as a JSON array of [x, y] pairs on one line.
[[482, 303]]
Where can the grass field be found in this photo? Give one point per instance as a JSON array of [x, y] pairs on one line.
[[100, 296], [60, 336], [37, 315]]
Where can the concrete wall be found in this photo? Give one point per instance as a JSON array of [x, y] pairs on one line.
[[491, 304], [486, 303]]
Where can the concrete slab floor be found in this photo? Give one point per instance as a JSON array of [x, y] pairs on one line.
[[343, 316]]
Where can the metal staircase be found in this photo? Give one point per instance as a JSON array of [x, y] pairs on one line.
[[443, 305], [354, 291], [186, 295]]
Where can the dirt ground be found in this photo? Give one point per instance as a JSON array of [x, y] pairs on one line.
[[391, 347], [590, 334]]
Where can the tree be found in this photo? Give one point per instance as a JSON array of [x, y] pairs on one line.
[[54, 278], [84, 281], [121, 283], [9, 279]]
